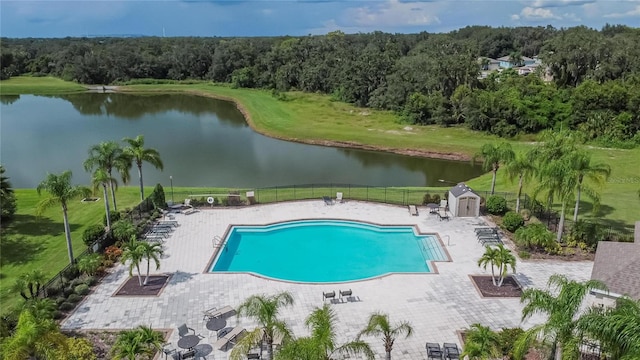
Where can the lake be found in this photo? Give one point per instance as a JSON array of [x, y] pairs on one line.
[[203, 142]]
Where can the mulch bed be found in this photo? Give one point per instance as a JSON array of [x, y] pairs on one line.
[[509, 288], [132, 287]]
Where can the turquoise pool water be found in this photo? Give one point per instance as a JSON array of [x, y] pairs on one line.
[[327, 251]]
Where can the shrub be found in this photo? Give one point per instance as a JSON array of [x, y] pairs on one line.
[[74, 298], [512, 221], [107, 263], [157, 197], [113, 216], [427, 199], [112, 253], [66, 306], [526, 214], [76, 282], [52, 291], [587, 232], [82, 289], [496, 205], [90, 281], [89, 264], [70, 273], [534, 236], [507, 339], [524, 254], [67, 291], [58, 315], [92, 234], [60, 300], [80, 349]]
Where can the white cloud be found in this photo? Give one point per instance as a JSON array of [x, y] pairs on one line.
[[571, 17], [631, 13], [535, 14], [395, 13], [559, 3]]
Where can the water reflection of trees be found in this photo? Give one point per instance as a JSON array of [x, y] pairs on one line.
[[136, 106], [433, 169], [9, 99]]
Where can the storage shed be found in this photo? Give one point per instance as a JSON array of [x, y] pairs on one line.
[[463, 202]]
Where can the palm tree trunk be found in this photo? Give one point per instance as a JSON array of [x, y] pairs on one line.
[[67, 233], [388, 355], [493, 276], [270, 348], [561, 223], [519, 194], [141, 186], [500, 275], [575, 210], [106, 204], [113, 193], [146, 279], [493, 181], [139, 274]]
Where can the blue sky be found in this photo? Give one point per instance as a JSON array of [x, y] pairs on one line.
[[55, 18]]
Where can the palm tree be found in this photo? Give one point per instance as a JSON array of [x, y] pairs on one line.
[[584, 169], [123, 230], [28, 285], [492, 156], [133, 252], [561, 303], [151, 251], [89, 264], [60, 192], [480, 343], [505, 259], [379, 325], [101, 178], [559, 181], [264, 309], [33, 338], [490, 256], [139, 341], [7, 197], [617, 329], [137, 152], [321, 344], [523, 167], [109, 156]]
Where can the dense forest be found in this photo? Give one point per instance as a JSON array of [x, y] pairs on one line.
[[587, 80]]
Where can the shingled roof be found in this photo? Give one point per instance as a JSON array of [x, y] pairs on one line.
[[461, 189], [618, 266]]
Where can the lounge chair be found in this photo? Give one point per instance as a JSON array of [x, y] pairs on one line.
[[189, 211], [443, 215], [339, 197], [327, 200], [433, 351], [229, 337], [328, 295], [216, 313], [345, 293], [253, 356], [185, 330], [413, 210], [451, 351]]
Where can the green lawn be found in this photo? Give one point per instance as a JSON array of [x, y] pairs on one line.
[[31, 242]]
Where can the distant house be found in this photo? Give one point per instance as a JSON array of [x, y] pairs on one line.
[[488, 64], [507, 63], [464, 202], [617, 265]]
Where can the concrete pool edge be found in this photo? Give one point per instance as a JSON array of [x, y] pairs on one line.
[[220, 245]]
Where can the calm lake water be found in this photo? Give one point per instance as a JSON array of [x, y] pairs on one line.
[[202, 142]]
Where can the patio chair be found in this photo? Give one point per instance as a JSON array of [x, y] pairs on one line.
[[229, 337], [346, 293], [443, 215], [184, 330], [339, 197], [433, 351], [327, 200], [166, 350], [451, 351], [413, 210], [328, 295], [189, 354], [215, 313], [253, 356]]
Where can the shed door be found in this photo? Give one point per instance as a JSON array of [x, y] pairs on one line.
[[463, 206], [472, 206]]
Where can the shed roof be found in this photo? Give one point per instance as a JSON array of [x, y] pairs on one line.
[[461, 189], [618, 266]]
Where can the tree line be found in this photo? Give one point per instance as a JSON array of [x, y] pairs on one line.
[[427, 78]]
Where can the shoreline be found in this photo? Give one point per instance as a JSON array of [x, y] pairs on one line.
[[329, 143]]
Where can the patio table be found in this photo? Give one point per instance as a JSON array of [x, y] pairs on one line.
[[188, 341], [216, 324]]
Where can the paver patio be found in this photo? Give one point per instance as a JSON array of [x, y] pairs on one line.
[[437, 305]]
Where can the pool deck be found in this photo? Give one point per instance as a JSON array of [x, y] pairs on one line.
[[436, 305]]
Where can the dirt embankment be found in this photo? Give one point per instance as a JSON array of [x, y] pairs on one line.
[[434, 154]]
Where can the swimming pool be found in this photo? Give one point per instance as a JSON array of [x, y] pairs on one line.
[[320, 251]]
